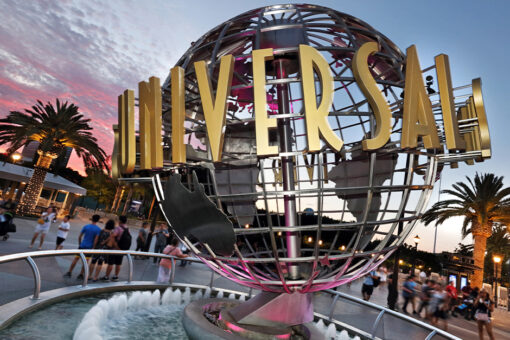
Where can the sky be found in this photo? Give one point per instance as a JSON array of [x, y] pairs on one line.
[[89, 51]]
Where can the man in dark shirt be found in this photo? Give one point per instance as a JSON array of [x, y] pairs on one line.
[[426, 293]]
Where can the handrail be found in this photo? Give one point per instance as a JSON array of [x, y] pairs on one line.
[[29, 258], [383, 310]]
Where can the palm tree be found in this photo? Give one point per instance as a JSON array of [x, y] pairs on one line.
[[54, 129], [482, 202]]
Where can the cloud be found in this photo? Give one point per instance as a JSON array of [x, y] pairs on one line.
[[86, 52]]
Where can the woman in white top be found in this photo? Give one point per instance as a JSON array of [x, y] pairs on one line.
[[43, 226]]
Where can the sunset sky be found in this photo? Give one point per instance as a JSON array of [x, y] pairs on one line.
[[88, 52]]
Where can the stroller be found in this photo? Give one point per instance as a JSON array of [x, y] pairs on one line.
[[7, 225]]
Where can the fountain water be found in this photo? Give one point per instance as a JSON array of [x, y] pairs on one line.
[[97, 321]]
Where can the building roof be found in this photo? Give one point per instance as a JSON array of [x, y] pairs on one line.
[[18, 173]]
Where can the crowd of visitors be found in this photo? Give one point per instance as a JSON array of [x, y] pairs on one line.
[[436, 301], [115, 235]]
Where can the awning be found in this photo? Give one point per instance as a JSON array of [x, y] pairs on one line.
[[18, 173]]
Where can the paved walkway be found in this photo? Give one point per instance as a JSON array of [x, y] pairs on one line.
[[16, 282]]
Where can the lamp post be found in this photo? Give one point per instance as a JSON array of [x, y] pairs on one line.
[[416, 241], [16, 157], [496, 259]]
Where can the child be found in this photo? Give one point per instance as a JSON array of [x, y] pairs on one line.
[[166, 264], [62, 232], [103, 241]]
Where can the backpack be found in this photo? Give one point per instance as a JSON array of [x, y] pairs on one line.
[[125, 239], [376, 280]]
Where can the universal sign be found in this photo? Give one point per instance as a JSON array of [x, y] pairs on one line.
[[417, 122]]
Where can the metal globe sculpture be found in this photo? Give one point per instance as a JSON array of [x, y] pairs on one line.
[[296, 221]]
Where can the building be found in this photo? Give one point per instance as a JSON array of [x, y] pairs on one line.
[[14, 178], [457, 268]]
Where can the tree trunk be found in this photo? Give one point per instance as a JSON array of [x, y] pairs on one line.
[[479, 256], [35, 184]]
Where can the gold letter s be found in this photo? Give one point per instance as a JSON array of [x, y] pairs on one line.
[[374, 96]]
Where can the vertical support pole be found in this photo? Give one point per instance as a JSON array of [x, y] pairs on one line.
[[285, 134], [19, 194], [130, 268], [62, 209], [172, 273], [119, 200], [37, 277], [117, 191], [14, 185], [152, 206], [128, 200], [85, 269]]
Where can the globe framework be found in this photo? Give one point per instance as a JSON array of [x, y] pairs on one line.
[[352, 208]]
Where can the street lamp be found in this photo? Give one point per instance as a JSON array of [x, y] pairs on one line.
[[16, 157], [416, 241], [496, 259]]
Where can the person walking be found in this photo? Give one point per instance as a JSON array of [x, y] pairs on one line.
[[426, 294], [439, 306], [483, 310], [142, 237], [162, 238], [102, 242], [63, 230], [43, 226], [383, 275], [452, 295], [408, 293], [121, 239], [165, 265], [368, 285], [86, 240]]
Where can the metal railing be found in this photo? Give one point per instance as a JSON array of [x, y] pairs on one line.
[[432, 331], [29, 258], [335, 295]]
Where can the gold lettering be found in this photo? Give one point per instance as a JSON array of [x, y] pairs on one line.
[[376, 100], [451, 127], [151, 150], [127, 132], [178, 115], [262, 122], [418, 117], [485, 138], [115, 153], [317, 117], [469, 137], [215, 113]]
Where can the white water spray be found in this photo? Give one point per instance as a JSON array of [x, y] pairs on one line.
[[90, 328]]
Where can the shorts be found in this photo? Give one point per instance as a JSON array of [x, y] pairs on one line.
[[99, 259], [114, 259], [40, 228], [60, 240], [439, 313], [367, 289]]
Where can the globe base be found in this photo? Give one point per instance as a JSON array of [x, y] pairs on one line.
[[212, 319]]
